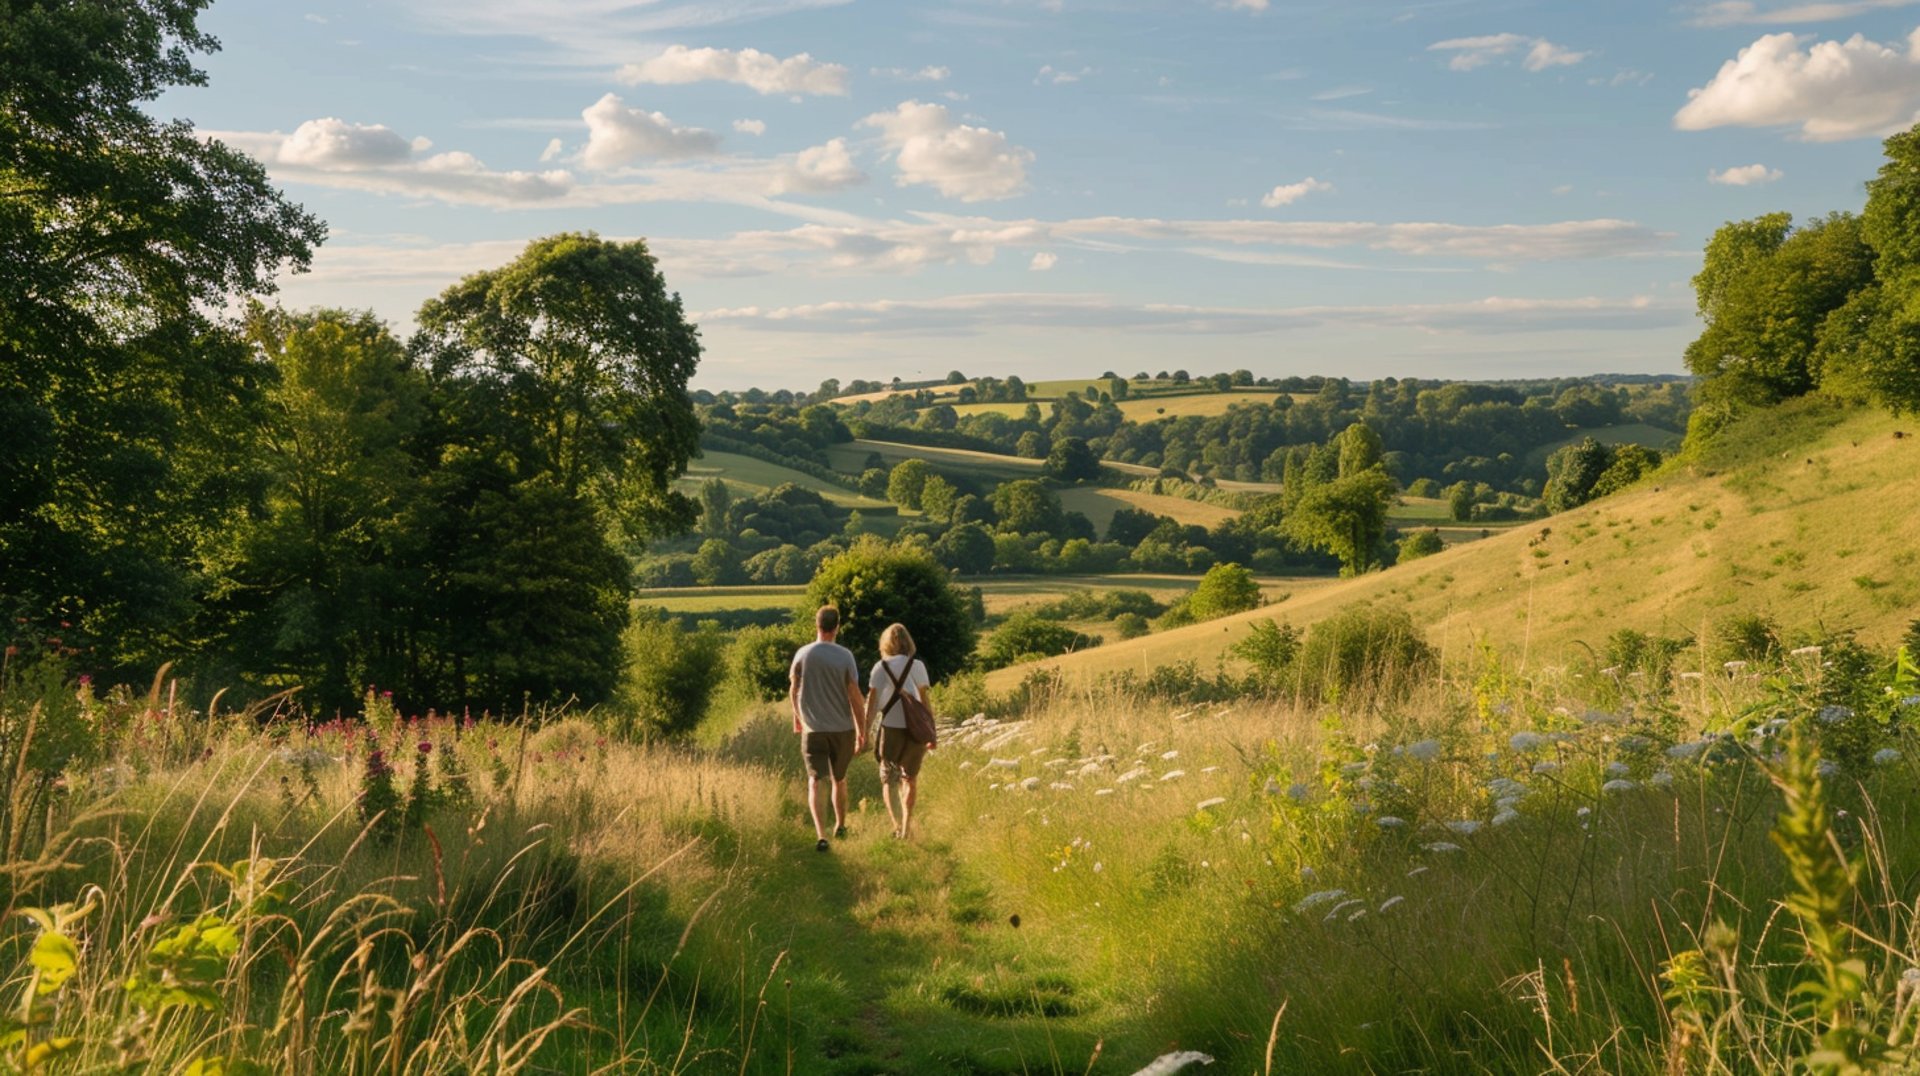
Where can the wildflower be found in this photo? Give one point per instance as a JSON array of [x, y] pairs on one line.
[[1441, 847], [1911, 700], [1353, 769], [1169, 756], [1416, 870], [1103, 791], [1173, 775], [1662, 779], [1634, 744], [1583, 812], [1057, 786], [1546, 765], [1526, 741], [1214, 802], [1131, 775], [1030, 784], [1423, 750], [1168, 1064], [1886, 756], [1298, 792], [1391, 901], [1506, 786], [1833, 715], [1617, 769], [1314, 900], [1686, 750], [1827, 768], [1272, 787], [1465, 827], [1505, 816], [1387, 821], [1618, 785], [424, 747], [1356, 915], [1004, 763], [1601, 717], [1689, 676]]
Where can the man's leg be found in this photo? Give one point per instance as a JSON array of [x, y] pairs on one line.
[[813, 805], [839, 803]]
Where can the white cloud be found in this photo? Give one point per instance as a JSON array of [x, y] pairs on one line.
[[1831, 90], [992, 312], [554, 149], [819, 169], [760, 71], [1747, 175], [1563, 189], [752, 127], [929, 73], [1248, 5], [1043, 260], [373, 158], [1743, 12], [1289, 193], [1475, 52], [959, 160], [618, 135], [1341, 93], [335, 144], [596, 33], [1056, 76]]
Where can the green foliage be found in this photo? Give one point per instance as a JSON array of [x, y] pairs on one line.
[[123, 395], [1130, 626], [937, 499], [1629, 463], [760, 658], [967, 549], [670, 675], [1070, 460], [874, 584], [1745, 637], [1361, 450], [1460, 501], [1271, 648], [717, 564], [1225, 589], [873, 483], [1421, 543], [715, 500], [1026, 637], [1025, 506], [1364, 649], [379, 799], [1346, 516], [1573, 472], [907, 481]]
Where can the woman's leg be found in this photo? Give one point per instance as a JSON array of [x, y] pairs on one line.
[[889, 775]]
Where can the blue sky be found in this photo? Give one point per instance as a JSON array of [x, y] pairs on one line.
[[856, 188]]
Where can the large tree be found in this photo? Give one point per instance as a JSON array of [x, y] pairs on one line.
[[1346, 517], [590, 354], [120, 388]]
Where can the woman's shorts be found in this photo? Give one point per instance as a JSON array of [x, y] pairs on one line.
[[899, 755]]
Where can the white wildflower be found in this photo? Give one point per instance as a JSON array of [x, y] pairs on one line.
[[1214, 802], [1662, 779], [1171, 775], [1273, 787], [1387, 821], [1886, 756], [1734, 666], [1103, 791], [1314, 900], [1505, 816], [1169, 756], [1390, 902], [1618, 769], [1298, 791], [1618, 784], [1441, 847], [1004, 763], [1168, 1064], [1417, 870], [1342, 907], [1058, 786], [1465, 827], [1546, 765], [1827, 768], [1423, 750], [1131, 775]]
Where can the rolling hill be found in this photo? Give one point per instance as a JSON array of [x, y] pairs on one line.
[[1792, 515], [752, 475]]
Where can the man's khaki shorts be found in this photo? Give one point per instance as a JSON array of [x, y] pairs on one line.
[[899, 755], [827, 753]]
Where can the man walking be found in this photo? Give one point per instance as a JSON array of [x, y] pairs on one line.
[[824, 688]]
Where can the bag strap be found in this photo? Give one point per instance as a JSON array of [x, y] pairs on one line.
[[899, 686]]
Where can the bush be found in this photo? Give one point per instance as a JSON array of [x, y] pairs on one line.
[[1745, 637], [759, 659], [1025, 637], [1420, 544], [873, 585], [671, 673], [1130, 625], [1271, 648], [1363, 648], [1224, 590]]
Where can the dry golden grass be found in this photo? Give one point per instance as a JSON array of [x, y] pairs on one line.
[[1099, 505], [1812, 533]]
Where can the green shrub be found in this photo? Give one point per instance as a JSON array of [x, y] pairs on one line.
[[759, 659], [1130, 625], [1745, 637], [874, 584], [1420, 544], [1363, 648], [1224, 590], [1271, 648], [671, 673], [1026, 636]]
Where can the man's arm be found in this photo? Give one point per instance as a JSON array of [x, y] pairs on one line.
[[793, 696]]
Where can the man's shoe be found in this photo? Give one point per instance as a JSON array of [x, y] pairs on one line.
[[820, 845]]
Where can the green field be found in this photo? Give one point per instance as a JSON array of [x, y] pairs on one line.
[[1627, 434], [1737, 531], [850, 458], [750, 475], [1099, 505]]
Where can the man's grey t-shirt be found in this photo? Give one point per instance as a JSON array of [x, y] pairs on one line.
[[825, 670]]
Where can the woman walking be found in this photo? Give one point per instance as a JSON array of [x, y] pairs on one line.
[[897, 676]]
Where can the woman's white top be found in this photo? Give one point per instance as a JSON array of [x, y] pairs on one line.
[[879, 680]]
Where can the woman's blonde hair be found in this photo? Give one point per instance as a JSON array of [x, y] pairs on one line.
[[895, 641]]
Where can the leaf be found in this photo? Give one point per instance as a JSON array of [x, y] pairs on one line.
[[56, 958], [41, 1052]]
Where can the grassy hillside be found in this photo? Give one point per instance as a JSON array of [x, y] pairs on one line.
[[744, 473], [851, 458], [1790, 516], [1633, 433], [1099, 505]]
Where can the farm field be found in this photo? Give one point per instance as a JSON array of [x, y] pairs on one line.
[[1000, 594], [850, 458], [757, 476], [1099, 505], [1751, 529]]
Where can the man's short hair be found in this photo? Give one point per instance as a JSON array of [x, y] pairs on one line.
[[827, 620]]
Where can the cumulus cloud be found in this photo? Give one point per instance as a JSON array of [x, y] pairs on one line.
[[372, 157], [980, 313], [1043, 260], [1056, 76], [618, 135], [1744, 12], [1469, 53], [752, 127], [1747, 175], [335, 144], [959, 160], [760, 71], [1289, 193], [819, 169], [1831, 90]]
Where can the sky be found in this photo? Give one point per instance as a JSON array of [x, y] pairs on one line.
[[1057, 188]]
